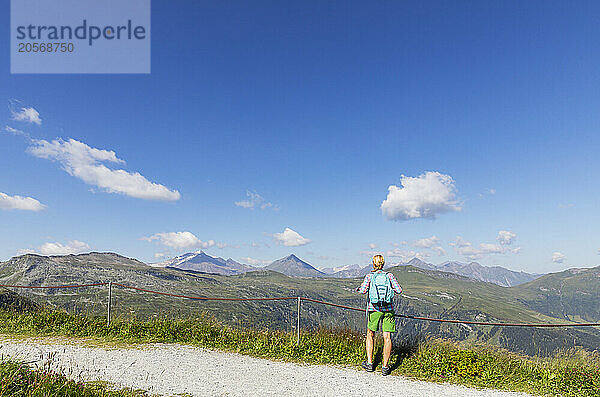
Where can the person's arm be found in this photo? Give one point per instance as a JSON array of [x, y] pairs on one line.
[[364, 287], [395, 286]]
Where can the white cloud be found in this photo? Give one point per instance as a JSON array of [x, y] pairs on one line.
[[259, 245], [72, 247], [15, 131], [160, 255], [487, 192], [424, 196], [428, 242], [432, 243], [490, 248], [439, 250], [87, 164], [290, 238], [254, 262], [372, 245], [558, 257], [506, 237], [405, 255], [460, 242], [179, 240], [19, 203], [27, 115], [472, 252], [467, 249], [255, 200]]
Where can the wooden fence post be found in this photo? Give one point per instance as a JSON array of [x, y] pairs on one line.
[[298, 323], [109, 303]]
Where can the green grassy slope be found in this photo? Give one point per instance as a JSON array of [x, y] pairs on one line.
[[484, 302], [572, 295], [14, 302], [426, 293]]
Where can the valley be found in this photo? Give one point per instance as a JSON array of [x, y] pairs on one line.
[[426, 293]]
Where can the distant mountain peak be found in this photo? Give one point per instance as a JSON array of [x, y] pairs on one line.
[[293, 266], [415, 261]]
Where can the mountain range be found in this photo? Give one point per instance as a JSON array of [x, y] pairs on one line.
[[295, 267], [490, 274], [201, 262], [572, 295]]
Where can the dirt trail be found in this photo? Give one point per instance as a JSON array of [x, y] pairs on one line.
[[175, 369]]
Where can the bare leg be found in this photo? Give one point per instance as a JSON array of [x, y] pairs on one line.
[[370, 335], [387, 348]]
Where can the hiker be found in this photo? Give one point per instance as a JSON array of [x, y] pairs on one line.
[[381, 287]]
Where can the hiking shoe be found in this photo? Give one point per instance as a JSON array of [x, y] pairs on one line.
[[386, 371], [367, 366]]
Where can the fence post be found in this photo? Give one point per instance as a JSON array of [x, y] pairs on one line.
[[109, 303], [298, 323]]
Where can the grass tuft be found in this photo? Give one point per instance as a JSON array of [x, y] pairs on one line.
[[18, 380]]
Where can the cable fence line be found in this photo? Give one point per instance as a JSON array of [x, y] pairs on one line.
[[53, 286], [462, 321], [299, 300], [500, 324]]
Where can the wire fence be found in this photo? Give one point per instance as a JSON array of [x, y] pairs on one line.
[[299, 300]]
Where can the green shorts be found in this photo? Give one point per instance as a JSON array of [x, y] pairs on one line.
[[388, 323]]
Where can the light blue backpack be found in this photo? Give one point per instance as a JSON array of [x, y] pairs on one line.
[[380, 289]]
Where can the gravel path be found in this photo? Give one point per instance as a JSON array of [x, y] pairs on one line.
[[176, 369]]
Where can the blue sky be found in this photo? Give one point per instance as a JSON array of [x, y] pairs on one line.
[[489, 110]]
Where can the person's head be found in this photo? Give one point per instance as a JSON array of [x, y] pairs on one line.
[[378, 262]]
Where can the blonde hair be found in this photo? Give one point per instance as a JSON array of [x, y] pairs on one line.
[[378, 262]]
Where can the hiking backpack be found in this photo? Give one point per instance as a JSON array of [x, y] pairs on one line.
[[380, 289]]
